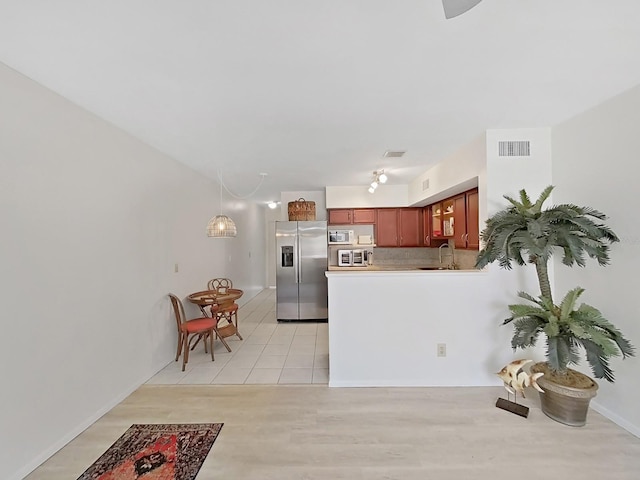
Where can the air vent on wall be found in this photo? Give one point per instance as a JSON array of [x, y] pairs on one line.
[[425, 185], [514, 148], [395, 154]]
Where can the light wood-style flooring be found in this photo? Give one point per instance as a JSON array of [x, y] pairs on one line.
[[316, 432]]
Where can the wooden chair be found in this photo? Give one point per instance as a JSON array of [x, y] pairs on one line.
[[220, 285], [190, 332], [229, 313]]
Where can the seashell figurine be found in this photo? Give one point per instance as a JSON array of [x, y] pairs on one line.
[[516, 379]]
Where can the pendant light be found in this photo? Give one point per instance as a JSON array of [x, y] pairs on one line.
[[221, 226]]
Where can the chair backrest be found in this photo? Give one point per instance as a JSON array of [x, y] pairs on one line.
[[220, 285], [178, 310]]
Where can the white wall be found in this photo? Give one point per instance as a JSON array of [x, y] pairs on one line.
[[359, 196], [271, 217], [507, 176], [595, 163], [93, 222], [245, 254], [462, 170]]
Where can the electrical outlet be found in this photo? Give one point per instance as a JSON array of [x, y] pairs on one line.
[[175, 268], [442, 349]]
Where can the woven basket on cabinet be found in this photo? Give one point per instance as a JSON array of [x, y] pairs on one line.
[[302, 210]]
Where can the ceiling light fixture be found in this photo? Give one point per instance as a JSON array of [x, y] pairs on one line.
[[378, 177], [272, 205]]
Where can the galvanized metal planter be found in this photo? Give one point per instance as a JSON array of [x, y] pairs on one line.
[[567, 405]]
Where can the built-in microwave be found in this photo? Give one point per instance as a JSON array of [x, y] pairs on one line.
[[340, 237]]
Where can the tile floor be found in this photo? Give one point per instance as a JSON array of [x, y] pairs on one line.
[[271, 352]]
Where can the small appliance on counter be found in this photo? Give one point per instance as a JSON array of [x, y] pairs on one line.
[[369, 257], [352, 258], [359, 258], [365, 240], [345, 258]]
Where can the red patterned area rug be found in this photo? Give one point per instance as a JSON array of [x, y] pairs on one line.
[[156, 452]]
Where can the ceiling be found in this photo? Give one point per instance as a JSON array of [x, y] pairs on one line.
[[313, 92]]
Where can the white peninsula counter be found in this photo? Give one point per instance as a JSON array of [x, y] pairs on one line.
[[385, 326]]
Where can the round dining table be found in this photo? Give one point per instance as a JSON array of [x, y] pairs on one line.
[[208, 298]]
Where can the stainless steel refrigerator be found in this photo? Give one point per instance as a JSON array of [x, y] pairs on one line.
[[301, 261]]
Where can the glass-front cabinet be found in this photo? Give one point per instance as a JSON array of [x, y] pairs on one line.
[[443, 219]]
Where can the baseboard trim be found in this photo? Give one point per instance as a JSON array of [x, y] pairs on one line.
[[77, 430], [621, 422]]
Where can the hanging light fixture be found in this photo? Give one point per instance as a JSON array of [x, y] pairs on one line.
[[221, 226]]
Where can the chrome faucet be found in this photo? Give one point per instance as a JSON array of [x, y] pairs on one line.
[[440, 253]]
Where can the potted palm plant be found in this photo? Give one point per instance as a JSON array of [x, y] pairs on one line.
[[524, 233]]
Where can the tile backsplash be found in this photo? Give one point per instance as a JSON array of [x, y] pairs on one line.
[[464, 259]]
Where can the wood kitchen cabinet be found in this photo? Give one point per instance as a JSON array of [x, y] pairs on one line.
[[387, 227], [410, 227], [352, 216], [467, 234], [364, 216], [457, 218], [428, 239], [399, 227], [459, 225], [473, 224], [342, 216]]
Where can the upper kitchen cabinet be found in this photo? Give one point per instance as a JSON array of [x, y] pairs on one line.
[[457, 218], [459, 223], [473, 226], [364, 216], [343, 216], [442, 219], [428, 220], [387, 227], [410, 227], [399, 227], [349, 216]]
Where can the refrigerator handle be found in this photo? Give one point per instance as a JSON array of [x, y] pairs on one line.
[[298, 262]]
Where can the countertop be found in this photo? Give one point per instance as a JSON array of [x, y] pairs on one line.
[[390, 268]]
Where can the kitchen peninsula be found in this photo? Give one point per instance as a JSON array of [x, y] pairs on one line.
[[394, 324], [392, 327]]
